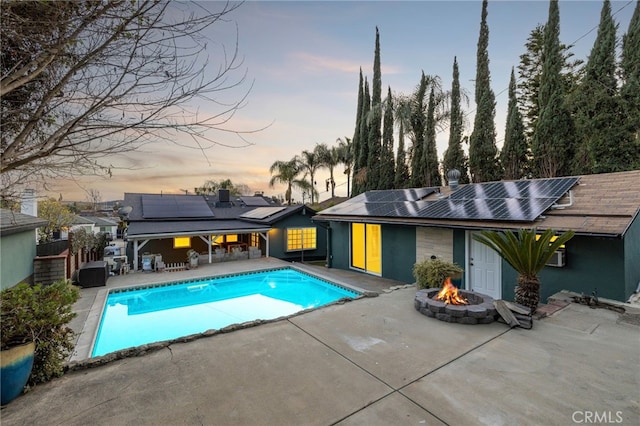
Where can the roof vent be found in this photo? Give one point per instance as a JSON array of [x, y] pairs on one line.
[[453, 176]]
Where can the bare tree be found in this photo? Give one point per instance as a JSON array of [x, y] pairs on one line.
[[94, 198], [84, 81]]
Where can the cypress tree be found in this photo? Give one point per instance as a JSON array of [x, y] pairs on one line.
[[360, 178], [418, 170], [375, 135], [599, 116], [514, 152], [630, 90], [454, 157], [483, 153], [387, 166], [553, 138], [357, 140], [430, 154]]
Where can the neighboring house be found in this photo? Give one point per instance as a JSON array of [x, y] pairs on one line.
[[385, 232], [92, 224], [17, 247], [170, 225]]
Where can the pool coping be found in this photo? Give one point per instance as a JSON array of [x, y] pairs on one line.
[[87, 337]]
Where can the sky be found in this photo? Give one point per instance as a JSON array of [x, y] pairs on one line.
[[303, 59]]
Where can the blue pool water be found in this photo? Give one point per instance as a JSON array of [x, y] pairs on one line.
[[136, 316]]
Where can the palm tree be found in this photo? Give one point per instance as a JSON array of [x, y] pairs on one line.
[[527, 253], [287, 173], [346, 157], [329, 157], [310, 162]]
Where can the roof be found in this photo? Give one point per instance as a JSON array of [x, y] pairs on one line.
[[604, 204], [13, 222], [166, 220]]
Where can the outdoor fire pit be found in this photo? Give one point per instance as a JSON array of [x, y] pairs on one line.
[[454, 305]]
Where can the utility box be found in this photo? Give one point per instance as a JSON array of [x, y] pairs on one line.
[[93, 274]]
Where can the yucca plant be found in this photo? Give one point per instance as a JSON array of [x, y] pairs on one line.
[[527, 253]]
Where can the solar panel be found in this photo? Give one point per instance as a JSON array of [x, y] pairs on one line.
[[495, 209], [254, 201], [262, 212], [174, 206], [395, 195], [539, 188]]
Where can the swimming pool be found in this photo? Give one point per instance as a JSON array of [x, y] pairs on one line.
[[138, 315]]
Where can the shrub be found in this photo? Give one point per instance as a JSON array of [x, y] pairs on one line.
[[40, 314], [431, 273]]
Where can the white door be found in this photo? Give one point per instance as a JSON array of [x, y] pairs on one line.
[[485, 270]]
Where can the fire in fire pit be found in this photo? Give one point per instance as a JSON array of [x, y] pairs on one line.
[[453, 305], [449, 294]]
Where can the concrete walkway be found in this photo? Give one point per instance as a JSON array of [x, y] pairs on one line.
[[374, 361]]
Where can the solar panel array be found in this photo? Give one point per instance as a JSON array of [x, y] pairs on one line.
[[254, 201], [389, 203], [174, 206], [262, 212], [517, 201]]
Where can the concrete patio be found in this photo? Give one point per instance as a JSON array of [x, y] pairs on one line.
[[373, 361]]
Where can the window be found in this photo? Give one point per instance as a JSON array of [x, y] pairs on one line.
[[182, 242], [366, 247], [217, 239], [301, 239], [231, 238], [255, 239]]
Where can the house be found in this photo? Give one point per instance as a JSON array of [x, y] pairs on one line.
[[384, 233], [17, 247], [218, 226], [93, 225]]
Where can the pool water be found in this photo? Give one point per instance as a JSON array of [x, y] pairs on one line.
[[136, 316]]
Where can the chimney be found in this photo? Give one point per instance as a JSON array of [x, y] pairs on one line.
[[453, 176], [223, 195], [29, 203]]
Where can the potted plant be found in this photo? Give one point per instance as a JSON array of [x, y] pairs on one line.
[[192, 258], [35, 338], [431, 273]]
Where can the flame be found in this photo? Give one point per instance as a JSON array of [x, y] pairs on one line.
[[449, 294]]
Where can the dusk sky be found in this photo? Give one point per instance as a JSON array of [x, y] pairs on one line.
[[304, 58]]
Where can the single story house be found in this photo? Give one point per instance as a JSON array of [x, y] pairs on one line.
[[384, 233], [171, 225], [17, 247], [92, 224]]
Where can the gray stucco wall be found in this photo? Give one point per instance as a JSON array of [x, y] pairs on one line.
[[16, 261]]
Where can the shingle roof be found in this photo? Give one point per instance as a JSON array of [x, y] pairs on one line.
[[604, 204], [13, 222]]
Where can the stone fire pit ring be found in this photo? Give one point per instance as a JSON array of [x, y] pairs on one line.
[[480, 309]]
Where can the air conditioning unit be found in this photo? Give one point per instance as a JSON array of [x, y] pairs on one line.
[[558, 259]]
